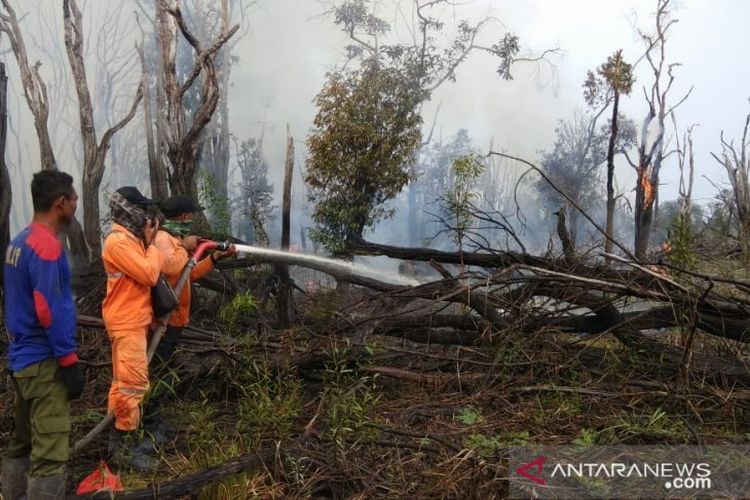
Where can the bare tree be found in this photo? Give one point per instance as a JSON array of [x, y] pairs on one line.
[[254, 203], [183, 139], [34, 88], [735, 161], [94, 150], [35, 92], [686, 164], [153, 103], [217, 142], [651, 150]]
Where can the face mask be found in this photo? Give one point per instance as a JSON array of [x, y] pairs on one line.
[[130, 216], [177, 227]]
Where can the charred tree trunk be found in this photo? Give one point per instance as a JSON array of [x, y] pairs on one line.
[[283, 269], [217, 144], [611, 174], [94, 152], [35, 92], [184, 140], [415, 233], [5, 188], [645, 196], [651, 150], [562, 233], [737, 165], [156, 168]]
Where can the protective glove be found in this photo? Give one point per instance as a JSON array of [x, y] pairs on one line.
[[72, 376], [219, 255]]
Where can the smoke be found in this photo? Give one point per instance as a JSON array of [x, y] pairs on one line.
[[290, 45]]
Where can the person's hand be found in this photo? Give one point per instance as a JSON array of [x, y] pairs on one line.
[[216, 256], [149, 230], [72, 376], [190, 242]]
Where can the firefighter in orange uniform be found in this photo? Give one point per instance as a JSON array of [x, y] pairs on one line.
[[175, 243], [133, 265]]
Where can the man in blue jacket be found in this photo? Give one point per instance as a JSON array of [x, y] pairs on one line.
[[40, 319]]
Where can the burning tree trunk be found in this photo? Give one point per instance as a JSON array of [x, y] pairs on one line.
[[645, 194], [94, 152], [651, 150], [737, 165], [183, 140]]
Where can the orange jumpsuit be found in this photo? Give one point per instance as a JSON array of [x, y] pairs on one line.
[[131, 272], [175, 260]]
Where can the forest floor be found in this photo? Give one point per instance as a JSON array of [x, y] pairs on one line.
[[336, 413]]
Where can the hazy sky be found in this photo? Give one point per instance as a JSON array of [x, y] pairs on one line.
[[290, 45]]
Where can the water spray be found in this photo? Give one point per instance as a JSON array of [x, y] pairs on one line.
[[341, 265]]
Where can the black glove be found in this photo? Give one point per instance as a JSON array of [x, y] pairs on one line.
[[72, 376]]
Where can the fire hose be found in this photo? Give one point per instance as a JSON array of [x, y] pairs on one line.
[[184, 279]]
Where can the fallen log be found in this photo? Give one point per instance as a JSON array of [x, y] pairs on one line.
[[497, 259], [189, 483]]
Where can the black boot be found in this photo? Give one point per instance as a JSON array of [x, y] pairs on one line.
[[141, 458], [125, 449], [159, 432], [13, 478], [47, 487], [116, 441]]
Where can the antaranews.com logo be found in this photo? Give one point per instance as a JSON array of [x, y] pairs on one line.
[[625, 472]]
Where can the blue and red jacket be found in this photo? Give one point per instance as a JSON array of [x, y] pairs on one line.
[[40, 315]]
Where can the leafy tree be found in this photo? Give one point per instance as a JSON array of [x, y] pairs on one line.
[[434, 176], [461, 197], [573, 165], [363, 139], [426, 62], [255, 200], [613, 78]]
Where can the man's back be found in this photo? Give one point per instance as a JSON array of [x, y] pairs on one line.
[[39, 309]]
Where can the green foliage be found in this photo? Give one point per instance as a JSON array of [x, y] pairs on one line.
[[682, 239], [657, 425], [484, 445], [469, 415], [367, 130], [216, 203], [254, 204], [458, 202], [586, 439], [348, 399], [270, 404], [347, 411], [243, 305], [488, 446], [574, 165], [615, 75], [363, 139]]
